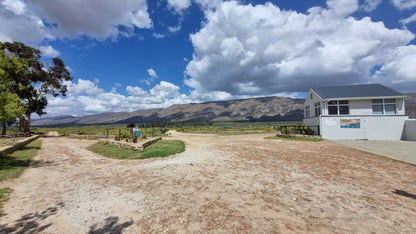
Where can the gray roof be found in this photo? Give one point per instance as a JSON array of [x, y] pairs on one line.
[[356, 91]]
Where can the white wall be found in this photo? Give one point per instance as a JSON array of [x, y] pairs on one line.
[[361, 107], [311, 102], [409, 132], [313, 124], [371, 128]]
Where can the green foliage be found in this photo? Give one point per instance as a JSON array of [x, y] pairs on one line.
[[161, 148], [13, 165], [32, 81], [10, 103], [4, 196]]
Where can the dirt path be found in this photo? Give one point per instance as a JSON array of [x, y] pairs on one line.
[[219, 184]]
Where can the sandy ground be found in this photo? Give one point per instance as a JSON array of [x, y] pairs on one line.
[[220, 184]]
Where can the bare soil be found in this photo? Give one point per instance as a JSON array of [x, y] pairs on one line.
[[220, 184]]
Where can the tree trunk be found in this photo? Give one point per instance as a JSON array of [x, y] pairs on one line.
[[3, 131], [27, 127]]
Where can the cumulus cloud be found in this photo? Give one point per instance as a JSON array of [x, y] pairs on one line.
[[404, 4], [71, 19], [263, 50], [49, 51], [84, 97], [15, 25], [400, 66]]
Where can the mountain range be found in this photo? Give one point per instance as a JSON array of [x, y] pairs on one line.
[[254, 109]]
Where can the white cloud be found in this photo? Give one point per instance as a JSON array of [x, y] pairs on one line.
[[94, 18], [152, 74], [83, 87], [49, 51], [85, 97], [179, 5], [401, 66], [15, 27], [409, 19], [158, 35], [370, 5], [175, 29], [15, 6], [263, 50], [404, 4]]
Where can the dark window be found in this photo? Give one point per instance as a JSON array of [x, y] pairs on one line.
[[338, 107], [307, 112], [317, 109]]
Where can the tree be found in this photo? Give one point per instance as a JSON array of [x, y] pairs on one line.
[[131, 125], [37, 81], [10, 103]]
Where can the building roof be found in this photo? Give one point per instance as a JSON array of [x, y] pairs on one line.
[[356, 91]]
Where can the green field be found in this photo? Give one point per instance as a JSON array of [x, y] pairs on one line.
[[161, 148], [159, 129]]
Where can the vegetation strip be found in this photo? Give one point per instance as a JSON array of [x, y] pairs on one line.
[[13, 165], [162, 148], [17, 145], [4, 196]]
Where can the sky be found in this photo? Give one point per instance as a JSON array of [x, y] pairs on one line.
[[127, 55]]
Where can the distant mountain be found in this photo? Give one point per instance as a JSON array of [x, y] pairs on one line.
[[253, 109]]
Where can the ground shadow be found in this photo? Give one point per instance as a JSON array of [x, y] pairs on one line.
[[404, 193], [30, 223], [110, 225], [41, 163]]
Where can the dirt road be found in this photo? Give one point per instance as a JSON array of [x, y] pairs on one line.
[[222, 184]]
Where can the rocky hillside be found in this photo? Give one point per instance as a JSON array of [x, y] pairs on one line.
[[253, 109]]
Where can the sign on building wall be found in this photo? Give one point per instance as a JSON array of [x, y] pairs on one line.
[[350, 123]]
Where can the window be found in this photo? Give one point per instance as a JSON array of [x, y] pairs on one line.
[[311, 96], [338, 107], [344, 108], [307, 112], [317, 109], [384, 106]]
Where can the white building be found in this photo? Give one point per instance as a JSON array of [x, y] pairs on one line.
[[372, 112]]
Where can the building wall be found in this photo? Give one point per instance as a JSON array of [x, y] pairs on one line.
[[311, 102], [409, 131], [369, 127], [313, 124]]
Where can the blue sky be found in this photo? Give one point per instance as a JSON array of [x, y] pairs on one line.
[[127, 55]]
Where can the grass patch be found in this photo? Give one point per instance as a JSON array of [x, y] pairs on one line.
[[4, 196], [13, 165], [296, 139], [162, 148]]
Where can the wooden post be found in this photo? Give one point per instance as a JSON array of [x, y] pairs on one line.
[[119, 134], [107, 132]]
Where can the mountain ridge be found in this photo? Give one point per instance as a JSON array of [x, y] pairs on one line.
[[252, 109], [262, 109]]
